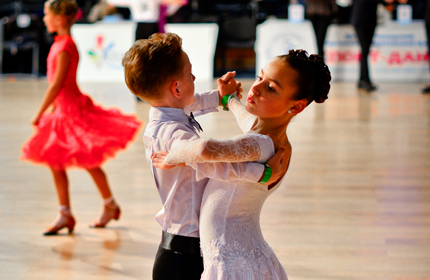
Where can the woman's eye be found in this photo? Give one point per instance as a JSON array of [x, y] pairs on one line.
[[270, 88], [259, 78]]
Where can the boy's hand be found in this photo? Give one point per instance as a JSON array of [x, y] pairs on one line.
[[158, 161], [279, 164], [228, 85]]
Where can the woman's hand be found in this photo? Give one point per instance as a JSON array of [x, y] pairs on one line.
[[158, 161], [35, 120], [279, 165]]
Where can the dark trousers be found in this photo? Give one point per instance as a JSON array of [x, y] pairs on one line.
[[145, 29], [365, 36], [178, 258], [320, 24]]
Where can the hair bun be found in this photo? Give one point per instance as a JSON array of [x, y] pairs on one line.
[[322, 78]]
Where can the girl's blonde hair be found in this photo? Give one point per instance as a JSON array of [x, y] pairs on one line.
[[67, 8]]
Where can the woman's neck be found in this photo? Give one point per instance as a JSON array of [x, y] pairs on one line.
[[273, 128]]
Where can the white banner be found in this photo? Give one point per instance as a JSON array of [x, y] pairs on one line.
[[199, 42], [398, 53], [101, 49], [277, 37]]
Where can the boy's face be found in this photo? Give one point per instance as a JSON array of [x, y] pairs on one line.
[[186, 82]]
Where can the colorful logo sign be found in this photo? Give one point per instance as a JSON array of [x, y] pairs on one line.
[[104, 54]]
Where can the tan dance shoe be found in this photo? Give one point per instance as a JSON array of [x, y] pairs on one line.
[[63, 220], [110, 211]]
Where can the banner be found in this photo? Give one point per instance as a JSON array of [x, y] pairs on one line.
[[101, 49], [398, 53]]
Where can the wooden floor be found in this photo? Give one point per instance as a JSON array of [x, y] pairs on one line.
[[354, 205]]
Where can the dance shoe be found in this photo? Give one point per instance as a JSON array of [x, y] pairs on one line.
[[367, 86], [426, 89], [63, 220], [110, 211]]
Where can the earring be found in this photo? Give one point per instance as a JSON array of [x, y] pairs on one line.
[[289, 111]]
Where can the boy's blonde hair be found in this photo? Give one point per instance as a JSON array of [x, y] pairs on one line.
[[67, 8], [150, 63]]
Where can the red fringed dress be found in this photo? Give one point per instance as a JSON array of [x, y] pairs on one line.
[[77, 133]]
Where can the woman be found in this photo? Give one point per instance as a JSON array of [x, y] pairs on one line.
[[230, 236]]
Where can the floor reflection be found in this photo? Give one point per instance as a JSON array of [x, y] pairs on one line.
[[355, 203]]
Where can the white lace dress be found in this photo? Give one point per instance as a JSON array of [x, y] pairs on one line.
[[231, 240]]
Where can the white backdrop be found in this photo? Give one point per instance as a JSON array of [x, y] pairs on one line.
[[102, 46], [277, 36], [398, 54], [199, 42]]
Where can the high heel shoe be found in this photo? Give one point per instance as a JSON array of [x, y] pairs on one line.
[[63, 220], [367, 85], [110, 211]]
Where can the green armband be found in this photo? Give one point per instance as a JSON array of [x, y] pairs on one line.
[[267, 174], [224, 102]]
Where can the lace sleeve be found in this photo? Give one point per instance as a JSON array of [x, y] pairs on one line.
[[247, 147], [243, 117]]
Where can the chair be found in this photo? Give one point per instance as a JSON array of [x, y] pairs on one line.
[[21, 33], [9, 7], [237, 26], [33, 6], [237, 33]]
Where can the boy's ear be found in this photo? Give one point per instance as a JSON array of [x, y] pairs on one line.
[[174, 88]]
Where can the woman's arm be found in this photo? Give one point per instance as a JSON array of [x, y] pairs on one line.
[[62, 64], [238, 149], [245, 119], [227, 85]]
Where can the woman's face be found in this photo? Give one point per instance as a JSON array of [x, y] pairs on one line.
[[271, 94]]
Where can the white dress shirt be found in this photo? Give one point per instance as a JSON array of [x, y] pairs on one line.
[[181, 188], [141, 10]]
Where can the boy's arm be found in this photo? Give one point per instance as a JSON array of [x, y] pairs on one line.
[[207, 102], [204, 103]]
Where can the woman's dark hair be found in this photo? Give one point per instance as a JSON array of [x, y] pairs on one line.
[[313, 83]]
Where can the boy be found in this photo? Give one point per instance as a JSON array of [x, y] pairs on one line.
[[159, 72]]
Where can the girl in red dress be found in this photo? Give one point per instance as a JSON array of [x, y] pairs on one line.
[[77, 133]]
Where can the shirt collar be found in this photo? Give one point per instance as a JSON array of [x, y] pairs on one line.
[[171, 114], [167, 114]]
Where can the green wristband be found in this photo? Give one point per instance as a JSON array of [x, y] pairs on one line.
[[224, 102], [267, 174]]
